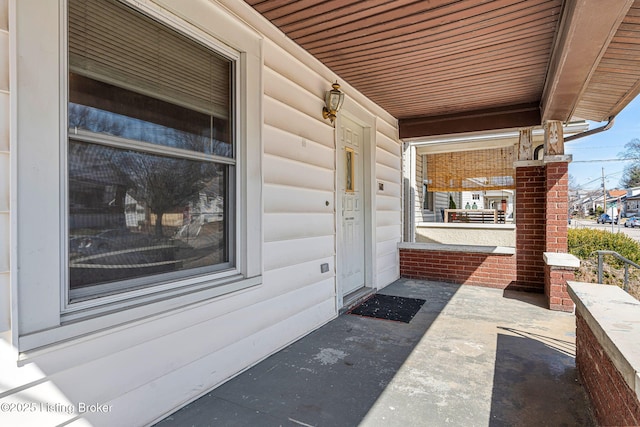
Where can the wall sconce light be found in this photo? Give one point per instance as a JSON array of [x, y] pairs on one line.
[[333, 100]]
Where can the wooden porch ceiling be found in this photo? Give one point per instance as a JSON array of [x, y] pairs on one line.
[[446, 66]]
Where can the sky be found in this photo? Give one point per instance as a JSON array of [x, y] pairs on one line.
[[591, 152]]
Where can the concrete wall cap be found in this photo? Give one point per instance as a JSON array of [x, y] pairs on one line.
[[612, 315], [561, 259], [564, 158], [527, 163], [462, 225], [497, 250]]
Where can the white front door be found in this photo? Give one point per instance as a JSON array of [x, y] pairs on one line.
[[350, 206]]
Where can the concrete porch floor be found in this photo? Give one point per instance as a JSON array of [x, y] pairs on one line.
[[471, 357]]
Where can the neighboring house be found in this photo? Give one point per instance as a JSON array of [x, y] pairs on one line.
[[633, 191], [584, 205], [615, 201], [123, 121], [582, 201], [616, 194], [631, 202], [632, 205]]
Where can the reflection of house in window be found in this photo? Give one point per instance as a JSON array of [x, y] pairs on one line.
[[98, 196]]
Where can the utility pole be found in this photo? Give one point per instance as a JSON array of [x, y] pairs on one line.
[[604, 198], [604, 192]]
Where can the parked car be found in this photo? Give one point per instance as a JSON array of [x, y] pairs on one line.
[[632, 222], [604, 219]]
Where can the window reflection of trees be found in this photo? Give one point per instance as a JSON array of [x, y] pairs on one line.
[[104, 180], [104, 122], [164, 184]]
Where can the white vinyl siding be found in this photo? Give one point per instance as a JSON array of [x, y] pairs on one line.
[[388, 204], [160, 362], [5, 170], [299, 229], [441, 202]]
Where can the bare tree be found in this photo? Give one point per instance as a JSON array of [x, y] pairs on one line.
[[163, 184], [83, 117], [631, 175], [166, 184]]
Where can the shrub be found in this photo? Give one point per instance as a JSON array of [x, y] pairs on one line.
[[582, 242]]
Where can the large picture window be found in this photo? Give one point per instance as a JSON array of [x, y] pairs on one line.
[[151, 153]]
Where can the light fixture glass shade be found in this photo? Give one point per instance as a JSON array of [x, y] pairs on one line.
[[333, 100]]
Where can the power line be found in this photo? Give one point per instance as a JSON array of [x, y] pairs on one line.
[[606, 160], [581, 186], [603, 147]]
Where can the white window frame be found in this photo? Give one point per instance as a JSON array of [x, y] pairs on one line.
[[42, 314]]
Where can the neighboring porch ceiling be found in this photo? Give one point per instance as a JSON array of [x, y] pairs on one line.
[[445, 66]]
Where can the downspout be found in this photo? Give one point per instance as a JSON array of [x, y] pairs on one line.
[[608, 126]]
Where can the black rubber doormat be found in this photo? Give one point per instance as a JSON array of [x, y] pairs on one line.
[[398, 309]]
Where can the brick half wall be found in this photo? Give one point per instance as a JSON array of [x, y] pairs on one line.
[[613, 401], [465, 268]]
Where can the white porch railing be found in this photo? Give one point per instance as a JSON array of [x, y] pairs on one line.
[[483, 216]]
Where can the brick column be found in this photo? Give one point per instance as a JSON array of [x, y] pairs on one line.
[[530, 225], [556, 226], [542, 206], [560, 267], [557, 203]]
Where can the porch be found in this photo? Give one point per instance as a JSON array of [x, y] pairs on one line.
[[472, 356]]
